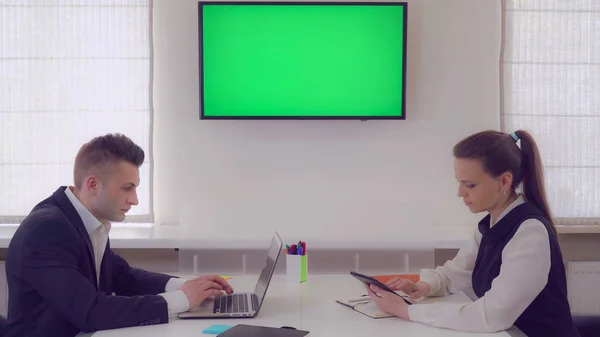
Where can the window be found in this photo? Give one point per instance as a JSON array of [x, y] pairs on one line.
[[70, 70], [551, 87]]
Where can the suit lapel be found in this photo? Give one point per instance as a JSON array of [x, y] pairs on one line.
[[65, 204]]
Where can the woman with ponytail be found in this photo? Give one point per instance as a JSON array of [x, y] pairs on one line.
[[513, 262]]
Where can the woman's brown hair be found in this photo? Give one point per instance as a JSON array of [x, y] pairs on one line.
[[499, 153]]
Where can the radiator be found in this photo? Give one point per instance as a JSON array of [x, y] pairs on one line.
[[583, 284]]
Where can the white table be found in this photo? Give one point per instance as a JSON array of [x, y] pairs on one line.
[[308, 306]]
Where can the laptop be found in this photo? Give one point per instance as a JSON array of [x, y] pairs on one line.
[[242, 305]]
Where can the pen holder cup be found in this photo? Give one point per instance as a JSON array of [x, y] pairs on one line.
[[296, 268]]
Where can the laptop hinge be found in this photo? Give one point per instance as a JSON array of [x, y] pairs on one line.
[[254, 302]]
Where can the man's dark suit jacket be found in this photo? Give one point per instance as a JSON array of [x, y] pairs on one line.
[[52, 279]]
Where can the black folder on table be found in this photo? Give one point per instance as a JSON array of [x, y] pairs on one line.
[[243, 330]]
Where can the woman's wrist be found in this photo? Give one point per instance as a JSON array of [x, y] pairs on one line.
[[402, 312], [424, 287]]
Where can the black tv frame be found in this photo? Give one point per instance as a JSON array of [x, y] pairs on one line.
[[312, 3]]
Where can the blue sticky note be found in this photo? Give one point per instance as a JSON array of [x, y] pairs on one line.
[[216, 329]]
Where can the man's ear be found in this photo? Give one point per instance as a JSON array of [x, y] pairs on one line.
[[92, 183]]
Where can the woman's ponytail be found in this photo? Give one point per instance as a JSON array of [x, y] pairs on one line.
[[533, 174]]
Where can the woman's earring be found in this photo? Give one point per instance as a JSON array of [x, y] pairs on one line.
[[504, 191]]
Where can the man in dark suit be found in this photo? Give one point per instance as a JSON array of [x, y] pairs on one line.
[[64, 279]]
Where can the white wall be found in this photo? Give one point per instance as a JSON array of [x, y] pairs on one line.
[[334, 178]]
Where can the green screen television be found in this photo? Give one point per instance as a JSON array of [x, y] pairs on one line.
[[302, 60]]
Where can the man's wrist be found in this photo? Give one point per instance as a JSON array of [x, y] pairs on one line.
[[177, 301], [173, 284]]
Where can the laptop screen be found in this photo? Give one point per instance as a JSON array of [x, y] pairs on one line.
[[267, 271]]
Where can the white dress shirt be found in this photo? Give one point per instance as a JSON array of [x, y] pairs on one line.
[[523, 275], [176, 300]]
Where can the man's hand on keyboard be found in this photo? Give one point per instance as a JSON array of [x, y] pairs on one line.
[[218, 279], [199, 289]]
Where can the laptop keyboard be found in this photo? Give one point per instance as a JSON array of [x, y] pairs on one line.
[[234, 303]]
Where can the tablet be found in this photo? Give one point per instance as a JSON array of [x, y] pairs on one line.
[[370, 280]]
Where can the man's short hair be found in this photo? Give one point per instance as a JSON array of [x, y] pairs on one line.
[[101, 153]]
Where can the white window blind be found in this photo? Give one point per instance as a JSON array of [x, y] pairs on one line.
[[551, 87], [70, 70]]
